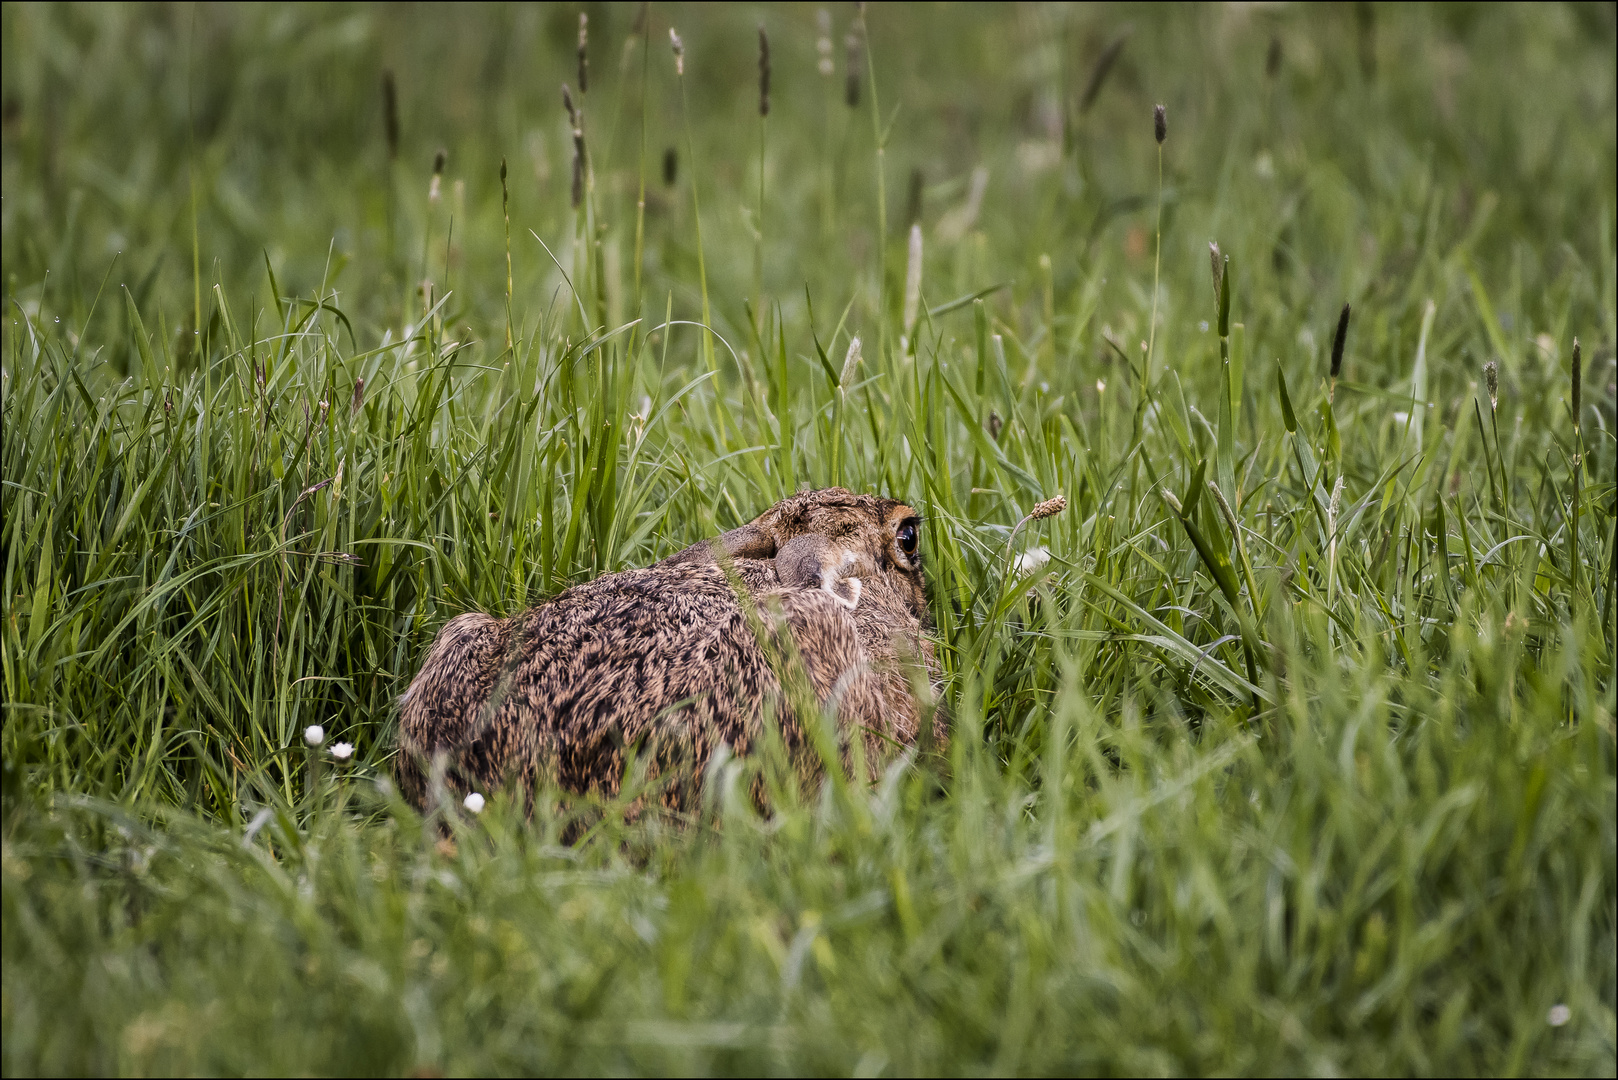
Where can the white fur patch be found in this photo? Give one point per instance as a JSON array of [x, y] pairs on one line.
[[845, 590]]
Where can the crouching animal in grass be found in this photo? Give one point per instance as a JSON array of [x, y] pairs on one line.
[[671, 661]]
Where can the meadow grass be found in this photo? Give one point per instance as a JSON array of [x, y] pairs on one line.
[[1288, 746]]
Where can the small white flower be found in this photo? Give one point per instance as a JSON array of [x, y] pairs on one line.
[[1033, 560], [1101, 387], [1559, 1015], [474, 803], [314, 734], [342, 751]]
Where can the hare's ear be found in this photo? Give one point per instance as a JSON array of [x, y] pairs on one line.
[[748, 542]]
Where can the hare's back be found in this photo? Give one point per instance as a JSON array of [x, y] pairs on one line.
[[619, 650]]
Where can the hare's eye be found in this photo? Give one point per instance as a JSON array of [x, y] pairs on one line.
[[907, 538]]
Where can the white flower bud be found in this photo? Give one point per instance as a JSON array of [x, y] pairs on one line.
[[314, 734], [474, 803]]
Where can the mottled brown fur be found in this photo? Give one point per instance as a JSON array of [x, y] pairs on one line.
[[682, 656]]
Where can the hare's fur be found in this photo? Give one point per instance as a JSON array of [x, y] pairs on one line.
[[678, 658]]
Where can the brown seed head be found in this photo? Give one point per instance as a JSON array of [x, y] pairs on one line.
[[851, 68], [1049, 508], [578, 145], [1098, 75], [1160, 123], [1578, 379], [584, 54], [763, 71], [671, 166], [1338, 342], [1491, 378]]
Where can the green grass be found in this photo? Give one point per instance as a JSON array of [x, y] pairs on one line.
[[1299, 755]]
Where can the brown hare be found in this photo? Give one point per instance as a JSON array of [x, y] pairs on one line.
[[683, 656]]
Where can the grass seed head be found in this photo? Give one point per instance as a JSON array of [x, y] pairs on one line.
[[1337, 342], [671, 166], [578, 145], [359, 395], [1049, 508], [1160, 123], [851, 361], [855, 49], [763, 71], [912, 305], [1098, 74], [679, 52], [1216, 264], [435, 190], [584, 53], [1224, 508], [390, 114], [1578, 377], [1491, 378]]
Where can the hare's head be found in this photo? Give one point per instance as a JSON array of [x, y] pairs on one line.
[[838, 541]]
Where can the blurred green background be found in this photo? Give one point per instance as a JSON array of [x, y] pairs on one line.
[[1336, 148]]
